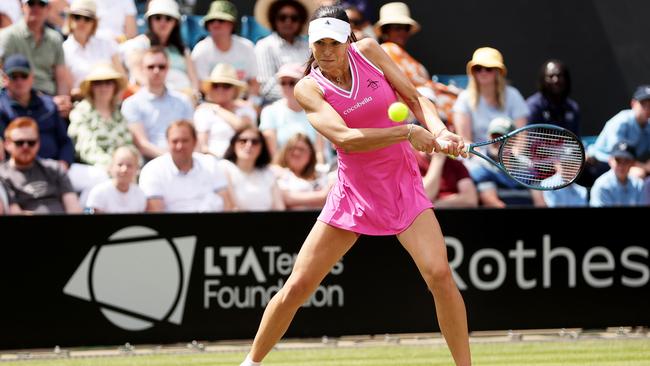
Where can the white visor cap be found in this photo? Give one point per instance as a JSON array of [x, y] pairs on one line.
[[333, 28]]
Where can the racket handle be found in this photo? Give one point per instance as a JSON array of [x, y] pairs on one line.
[[445, 144]]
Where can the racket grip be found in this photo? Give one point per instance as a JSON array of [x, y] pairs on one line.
[[445, 144]]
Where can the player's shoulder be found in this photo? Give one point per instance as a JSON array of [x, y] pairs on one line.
[[368, 46]]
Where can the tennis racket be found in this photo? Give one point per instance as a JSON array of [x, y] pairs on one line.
[[539, 156]]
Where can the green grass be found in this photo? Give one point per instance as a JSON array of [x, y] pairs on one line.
[[623, 352]]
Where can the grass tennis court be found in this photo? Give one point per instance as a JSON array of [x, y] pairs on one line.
[[616, 352]]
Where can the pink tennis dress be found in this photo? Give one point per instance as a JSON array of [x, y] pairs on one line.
[[378, 192]]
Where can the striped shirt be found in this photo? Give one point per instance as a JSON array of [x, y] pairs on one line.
[[272, 52]]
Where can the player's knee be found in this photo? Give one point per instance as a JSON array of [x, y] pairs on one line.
[[296, 292], [437, 277]]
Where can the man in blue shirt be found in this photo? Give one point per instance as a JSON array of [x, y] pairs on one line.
[[617, 187], [629, 125], [20, 99]]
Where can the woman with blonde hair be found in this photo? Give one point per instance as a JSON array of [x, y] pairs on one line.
[[487, 97], [302, 185]]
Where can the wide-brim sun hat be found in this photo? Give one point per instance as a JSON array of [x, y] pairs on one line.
[[262, 7], [226, 74], [487, 57], [101, 72], [86, 8], [163, 7], [222, 10], [396, 13]]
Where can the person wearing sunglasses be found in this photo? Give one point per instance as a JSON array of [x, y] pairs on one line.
[[287, 20], [224, 46], [487, 97], [43, 47], [154, 107], [34, 185], [164, 29], [224, 112], [83, 48]]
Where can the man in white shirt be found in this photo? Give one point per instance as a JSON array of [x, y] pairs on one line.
[[183, 180]]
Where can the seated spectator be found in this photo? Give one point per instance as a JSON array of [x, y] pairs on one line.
[[617, 187], [224, 113], [301, 184], [496, 188], [551, 104], [83, 49], [630, 126], [43, 47], [10, 13], [183, 180], [573, 195], [97, 126], [224, 46], [117, 19], [251, 181], [56, 14], [154, 107], [446, 181], [287, 19], [164, 29], [487, 97], [120, 194], [19, 99], [284, 118], [361, 27], [35, 185]]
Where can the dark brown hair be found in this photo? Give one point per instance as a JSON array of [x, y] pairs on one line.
[[262, 160], [333, 11]]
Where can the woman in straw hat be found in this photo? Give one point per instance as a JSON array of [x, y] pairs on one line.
[[83, 48], [97, 126], [224, 113], [164, 29], [487, 97], [348, 88]]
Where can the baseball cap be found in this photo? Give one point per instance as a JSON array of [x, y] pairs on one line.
[[623, 150], [500, 126], [642, 93], [16, 63], [292, 70]]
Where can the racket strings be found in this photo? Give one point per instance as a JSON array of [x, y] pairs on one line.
[[543, 157]]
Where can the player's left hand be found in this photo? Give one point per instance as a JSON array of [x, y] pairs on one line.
[[449, 143]]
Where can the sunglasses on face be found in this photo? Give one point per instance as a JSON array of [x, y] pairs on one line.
[[159, 17], [157, 66], [18, 76], [77, 17], [217, 21], [32, 3], [356, 22], [289, 83], [253, 140], [222, 86], [294, 18], [480, 68], [398, 27], [21, 143], [102, 82]]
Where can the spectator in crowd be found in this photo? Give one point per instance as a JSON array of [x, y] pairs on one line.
[[573, 195], [43, 47], [551, 104], [97, 126], [57, 14], [301, 184], [120, 194], [252, 182], [10, 12], [117, 19], [154, 107], [183, 180], [83, 49], [361, 27], [224, 112], [19, 99], [496, 189], [487, 97], [287, 19], [447, 182], [35, 185], [164, 29], [617, 187], [629, 125], [224, 46], [282, 119]]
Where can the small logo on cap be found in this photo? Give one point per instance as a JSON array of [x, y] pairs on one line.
[[327, 22]]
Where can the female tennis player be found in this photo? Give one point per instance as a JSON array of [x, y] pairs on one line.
[[346, 93]]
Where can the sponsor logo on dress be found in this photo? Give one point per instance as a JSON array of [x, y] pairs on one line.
[[358, 105]]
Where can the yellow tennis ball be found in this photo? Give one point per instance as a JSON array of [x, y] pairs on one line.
[[398, 111]]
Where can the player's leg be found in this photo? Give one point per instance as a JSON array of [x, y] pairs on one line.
[[324, 246], [425, 243]]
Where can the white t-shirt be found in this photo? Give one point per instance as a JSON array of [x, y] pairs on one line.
[[194, 191], [107, 198], [288, 181], [252, 191], [81, 60], [112, 15], [285, 122], [241, 56], [220, 131]]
